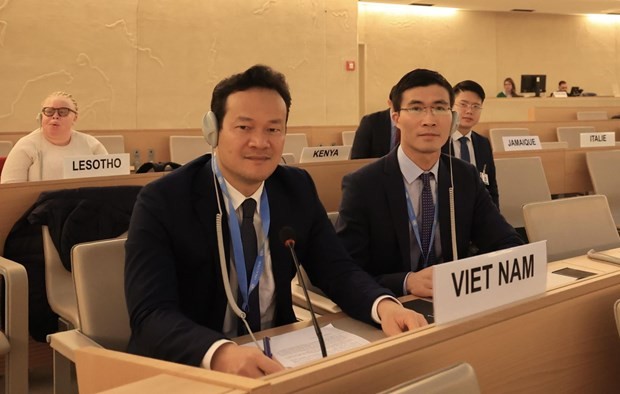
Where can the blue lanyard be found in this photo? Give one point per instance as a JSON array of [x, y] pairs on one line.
[[414, 225], [235, 236]]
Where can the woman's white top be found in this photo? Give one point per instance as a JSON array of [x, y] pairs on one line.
[[34, 158]]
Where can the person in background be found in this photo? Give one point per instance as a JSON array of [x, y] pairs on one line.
[[394, 218], [39, 156], [376, 134], [173, 281], [510, 89], [562, 86], [466, 143]]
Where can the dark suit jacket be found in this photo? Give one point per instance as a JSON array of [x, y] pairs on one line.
[[373, 136], [173, 282], [374, 225], [484, 161]]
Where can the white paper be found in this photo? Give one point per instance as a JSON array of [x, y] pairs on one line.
[[302, 346]]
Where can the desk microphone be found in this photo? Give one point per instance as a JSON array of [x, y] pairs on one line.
[[287, 236]]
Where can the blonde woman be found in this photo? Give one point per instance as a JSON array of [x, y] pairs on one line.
[[39, 155]]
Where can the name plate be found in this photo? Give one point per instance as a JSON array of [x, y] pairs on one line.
[[480, 283], [96, 165], [560, 94], [589, 140], [310, 154], [521, 142]]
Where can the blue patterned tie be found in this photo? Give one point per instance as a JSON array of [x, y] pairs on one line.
[[464, 149], [427, 217], [250, 249]]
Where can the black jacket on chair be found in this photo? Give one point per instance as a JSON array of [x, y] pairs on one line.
[[73, 216]]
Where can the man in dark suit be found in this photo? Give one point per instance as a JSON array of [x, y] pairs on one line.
[[395, 217], [468, 100], [173, 278], [376, 134]]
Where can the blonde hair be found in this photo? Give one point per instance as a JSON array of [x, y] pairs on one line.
[[63, 94]]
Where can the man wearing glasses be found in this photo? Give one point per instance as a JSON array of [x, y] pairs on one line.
[[468, 145], [395, 212]]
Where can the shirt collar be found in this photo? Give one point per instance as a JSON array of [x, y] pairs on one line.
[[410, 170], [237, 198], [457, 134]]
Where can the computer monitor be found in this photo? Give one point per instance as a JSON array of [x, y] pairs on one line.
[[533, 83]]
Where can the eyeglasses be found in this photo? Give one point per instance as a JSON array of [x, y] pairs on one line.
[[421, 111], [62, 111], [473, 107]]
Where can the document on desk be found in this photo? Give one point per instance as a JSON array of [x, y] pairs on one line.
[[302, 346]]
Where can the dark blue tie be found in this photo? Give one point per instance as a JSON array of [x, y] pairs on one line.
[[248, 239], [427, 217], [464, 149]]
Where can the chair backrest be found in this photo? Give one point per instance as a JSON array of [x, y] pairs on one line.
[[5, 148], [112, 143], [617, 313], [185, 148], [348, 137], [98, 273], [288, 158], [294, 143], [496, 136], [571, 226], [14, 335], [58, 283], [460, 378], [554, 145], [572, 134], [592, 115], [520, 180], [602, 166]]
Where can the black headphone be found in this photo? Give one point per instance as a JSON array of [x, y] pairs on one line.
[[210, 128], [455, 122]]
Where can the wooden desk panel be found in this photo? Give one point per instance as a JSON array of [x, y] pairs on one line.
[[564, 341]]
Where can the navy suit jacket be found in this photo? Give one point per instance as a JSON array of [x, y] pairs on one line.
[[484, 161], [374, 225], [373, 137], [173, 282]]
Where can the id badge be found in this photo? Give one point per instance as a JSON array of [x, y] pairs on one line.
[[485, 178]]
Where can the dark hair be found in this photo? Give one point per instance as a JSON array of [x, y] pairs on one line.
[[392, 91], [469, 86], [417, 78], [258, 76], [561, 83]]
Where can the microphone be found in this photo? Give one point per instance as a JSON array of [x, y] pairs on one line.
[[453, 128], [287, 236]]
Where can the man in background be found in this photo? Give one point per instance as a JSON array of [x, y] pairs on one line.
[[468, 145], [376, 134]]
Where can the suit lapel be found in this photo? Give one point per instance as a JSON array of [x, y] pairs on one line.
[[205, 206], [444, 201], [397, 204]]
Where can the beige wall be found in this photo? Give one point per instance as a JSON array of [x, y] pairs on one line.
[[153, 63], [487, 47]]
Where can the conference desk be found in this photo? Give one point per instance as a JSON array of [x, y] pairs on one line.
[[566, 170], [562, 341]]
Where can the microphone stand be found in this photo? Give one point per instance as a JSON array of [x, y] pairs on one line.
[[290, 244]]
